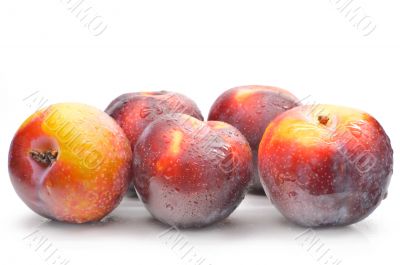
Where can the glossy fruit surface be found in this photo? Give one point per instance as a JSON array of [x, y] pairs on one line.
[[134, 111], [325, 165], [250, 109], [70, 162], [191, 173]]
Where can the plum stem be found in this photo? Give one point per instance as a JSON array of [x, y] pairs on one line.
[[323, 119], [46, 158]]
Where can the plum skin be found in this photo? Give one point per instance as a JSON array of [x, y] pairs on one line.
[[134, 111], [325, 166], [250, 109], [190, 173], [88, 171]]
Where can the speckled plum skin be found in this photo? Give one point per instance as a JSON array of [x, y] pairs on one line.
[[250, 109], [70, 162], [325, 165], [134, 111], [191, 173]]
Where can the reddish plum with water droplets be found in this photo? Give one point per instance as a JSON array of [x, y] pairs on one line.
[[191, 173], [325, 165]]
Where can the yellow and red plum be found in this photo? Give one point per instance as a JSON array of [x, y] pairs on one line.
[[70, 162], [325, 165]]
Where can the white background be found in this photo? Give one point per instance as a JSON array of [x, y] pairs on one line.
[[199, 48]]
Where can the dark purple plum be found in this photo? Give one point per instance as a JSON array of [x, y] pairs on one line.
[[250, 109]]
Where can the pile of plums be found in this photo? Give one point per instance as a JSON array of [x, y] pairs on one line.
[[320, 165]]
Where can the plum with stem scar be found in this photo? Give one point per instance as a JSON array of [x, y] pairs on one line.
[[191, 173], [70, 162], [325, 165]]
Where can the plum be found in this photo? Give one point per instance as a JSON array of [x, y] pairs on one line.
[[325, 165], [250, 109], [191, 173], [70, 162], [134, 111]]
